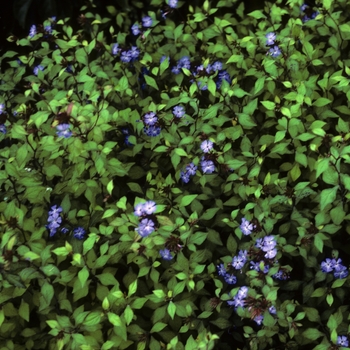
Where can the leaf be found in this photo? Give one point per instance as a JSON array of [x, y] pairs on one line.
[[171, 309], [188, 199], [132, 288], [24, 310], [231, 244], [328, 196], [151, 82], [322, 101], [257, 14], [318, 242], [157, 327], [312, 333]]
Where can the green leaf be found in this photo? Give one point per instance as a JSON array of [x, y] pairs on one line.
[[319, 292], [132, 288], [328, 196], [128, 315], [322, 101], [188, 199], [312, 334], [171, 309], [157, 327], [318, 242], [257, 14], [83, 276], [23, 310], [231, 244], [151, 82]]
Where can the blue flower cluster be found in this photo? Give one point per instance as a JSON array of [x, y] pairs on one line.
[[146, 225], [126, 56], [237, 263], [146, 23], [270, 40], [343, 340], [308, 13], [239, 298], [246, 227], [54, 220], [267, 245], [63, 130], [189, 171], [151, 128], [207, 165], [335, 266], [2, 126]]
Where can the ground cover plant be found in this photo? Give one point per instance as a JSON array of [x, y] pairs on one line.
[[175, 175]]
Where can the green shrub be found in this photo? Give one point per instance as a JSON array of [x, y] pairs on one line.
[[181, 182]]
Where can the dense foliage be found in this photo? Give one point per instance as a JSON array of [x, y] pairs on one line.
[[179, 180]]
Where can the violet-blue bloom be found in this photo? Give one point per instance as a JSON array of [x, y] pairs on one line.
[[115, 49], [178, 111], [135, 29], [259, 319], [37, 68], [230, 279], [2, 108], [55, 211], [185, 176], [32, 30], [216, 66], [207, 146], [327, 265], [342, 340], [63, 130], [149, 207], [152, 130], [165, 254], [150, 118], [79, 233], [272, 310], [208, 166], [125, 56], [275, 51], [191, 169], [3, 128], [172, 3], [246, 227], [270, 38], [221, 269], [147, 21], [139, 209], [146, 227]]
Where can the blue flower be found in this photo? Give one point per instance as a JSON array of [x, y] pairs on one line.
[[239, 261], [185, 176], [207, 146], [152, 130], [327, 265], [139, 209], [165, 254], [208, 166], [270, 38], [127, 142], [3, 128], [341, 274], [150, 118], [149, 207], [275, 51], [147, 21], [125, 131], [246, 227], [270, 254], [79, 233], [258, 319], [191, 169], [2, 108], [230, 279], [125, 56], [48, 29], [178, 111], [243, 292], [63, 131], [146, 227], [272, 310], [216, 66], [221, 269], [115, 49], [32, 30], [172, 3], [55, 211], [134, 53], [36, 69], [64, 230], [135, 29], [303, 7], [343, 341]]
